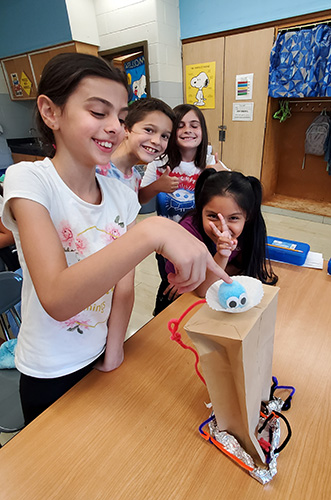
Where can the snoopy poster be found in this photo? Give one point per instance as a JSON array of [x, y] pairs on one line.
[[200, 85]]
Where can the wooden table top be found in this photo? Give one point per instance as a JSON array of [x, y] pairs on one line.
[[133, 433]]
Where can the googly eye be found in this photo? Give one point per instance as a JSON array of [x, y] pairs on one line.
[[243, 299], [232, 296], [232, 302]]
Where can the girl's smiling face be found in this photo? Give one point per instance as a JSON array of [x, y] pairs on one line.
[[234, 217], [189, 133], [149, 137], [91, 124]]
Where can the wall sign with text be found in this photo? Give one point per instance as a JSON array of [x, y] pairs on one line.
[[242, 111]]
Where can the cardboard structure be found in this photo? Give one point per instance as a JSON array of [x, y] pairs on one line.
[[236, 360]]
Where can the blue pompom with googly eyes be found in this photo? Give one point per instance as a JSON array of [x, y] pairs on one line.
[[232, 296]]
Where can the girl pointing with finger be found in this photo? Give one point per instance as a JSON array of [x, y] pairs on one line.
[[228, 219]]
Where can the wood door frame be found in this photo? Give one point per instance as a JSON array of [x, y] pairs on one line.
[[248, 136], [219, 50], [124, 50]]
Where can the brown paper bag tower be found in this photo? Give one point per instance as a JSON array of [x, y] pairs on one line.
[[236, 359]]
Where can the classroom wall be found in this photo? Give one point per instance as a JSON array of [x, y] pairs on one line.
[[106, 23], [157, 21], [82, 20], [212, 16], [27, 26]]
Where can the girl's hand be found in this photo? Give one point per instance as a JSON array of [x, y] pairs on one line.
[[225, 244], [167, 183], [112, 360], [172, 291], [213, 165], [190, 257], [218, 165]]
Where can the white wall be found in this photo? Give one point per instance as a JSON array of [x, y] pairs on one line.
[[82, 21], [156, 21], [111, 24]]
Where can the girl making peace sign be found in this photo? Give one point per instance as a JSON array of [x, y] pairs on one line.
[[228, 219]]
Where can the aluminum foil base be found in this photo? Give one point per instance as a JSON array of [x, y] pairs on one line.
[[231, 445]]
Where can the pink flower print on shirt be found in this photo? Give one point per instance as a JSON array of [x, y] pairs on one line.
[[111, 234], [66, 234], [103, 169], [81, 244], [114, 231], [77, 323]]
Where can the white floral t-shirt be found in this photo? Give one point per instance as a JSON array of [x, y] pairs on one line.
[[48, 348], [133, 180]]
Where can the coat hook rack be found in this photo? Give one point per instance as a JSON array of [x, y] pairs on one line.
[[310, 106], [304, 26]]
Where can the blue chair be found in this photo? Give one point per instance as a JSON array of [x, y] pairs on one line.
[[10, 296], [11, 415]]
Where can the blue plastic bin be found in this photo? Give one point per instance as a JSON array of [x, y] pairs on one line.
[[289, 251]]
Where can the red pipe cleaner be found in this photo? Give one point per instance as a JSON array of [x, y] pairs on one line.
[[173, 326]]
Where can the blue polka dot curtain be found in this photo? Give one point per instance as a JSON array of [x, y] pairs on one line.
[[300, 63]]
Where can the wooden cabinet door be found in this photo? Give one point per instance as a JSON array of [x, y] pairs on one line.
[[235, 55], [19, 76], [202, 52], [246, 53], [17, 157], [23, 72], [40, 58]]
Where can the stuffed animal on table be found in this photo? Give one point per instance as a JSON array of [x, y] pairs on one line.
[[232, 295]]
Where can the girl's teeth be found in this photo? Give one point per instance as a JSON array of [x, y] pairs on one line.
[[105, 144]]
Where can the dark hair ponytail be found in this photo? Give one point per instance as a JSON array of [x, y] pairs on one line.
[[205, 174], [253, 239]]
